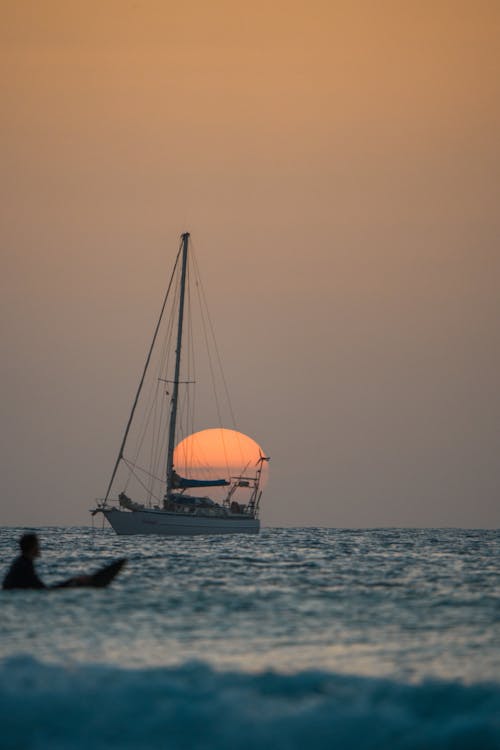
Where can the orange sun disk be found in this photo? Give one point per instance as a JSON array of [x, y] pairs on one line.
[[218, 453]]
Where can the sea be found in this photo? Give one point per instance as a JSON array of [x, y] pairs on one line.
[[296, 638]]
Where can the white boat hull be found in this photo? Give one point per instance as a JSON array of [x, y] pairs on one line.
[[163, 523]]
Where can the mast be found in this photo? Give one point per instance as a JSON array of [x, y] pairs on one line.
[[175, 391]]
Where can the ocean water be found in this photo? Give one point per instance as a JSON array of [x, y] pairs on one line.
[[297, 637]]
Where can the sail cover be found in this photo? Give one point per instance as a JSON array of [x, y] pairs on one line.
[[181, 483]]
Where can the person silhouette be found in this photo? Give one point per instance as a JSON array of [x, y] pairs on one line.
[[22, 574]]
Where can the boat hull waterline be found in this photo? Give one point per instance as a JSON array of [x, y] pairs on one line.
[[163, 523]]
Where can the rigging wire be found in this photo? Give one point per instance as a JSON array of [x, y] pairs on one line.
[[152, 398], [138, 479], [214, 340], [122, 446], [152, 434], [205, 317], [219, 359], [135, 467], [156, 403]]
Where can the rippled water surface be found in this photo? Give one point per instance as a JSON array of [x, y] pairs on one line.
[[405, 604]]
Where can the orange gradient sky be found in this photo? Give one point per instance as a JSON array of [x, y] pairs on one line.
[[337, 164]]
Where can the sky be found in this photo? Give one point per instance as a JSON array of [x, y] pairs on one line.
[[337, 165]]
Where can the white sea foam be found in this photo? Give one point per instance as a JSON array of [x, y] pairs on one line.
[[50, 707]]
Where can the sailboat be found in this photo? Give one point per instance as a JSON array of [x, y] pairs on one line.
[[181, 506]]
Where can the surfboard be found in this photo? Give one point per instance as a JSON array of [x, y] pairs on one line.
[[99, 579]]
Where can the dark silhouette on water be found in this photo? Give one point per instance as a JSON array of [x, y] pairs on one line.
[[22, 574]]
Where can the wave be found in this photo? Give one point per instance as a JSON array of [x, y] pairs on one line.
[[193, 707]]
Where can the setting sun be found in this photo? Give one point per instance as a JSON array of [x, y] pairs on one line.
[[219, 453]]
